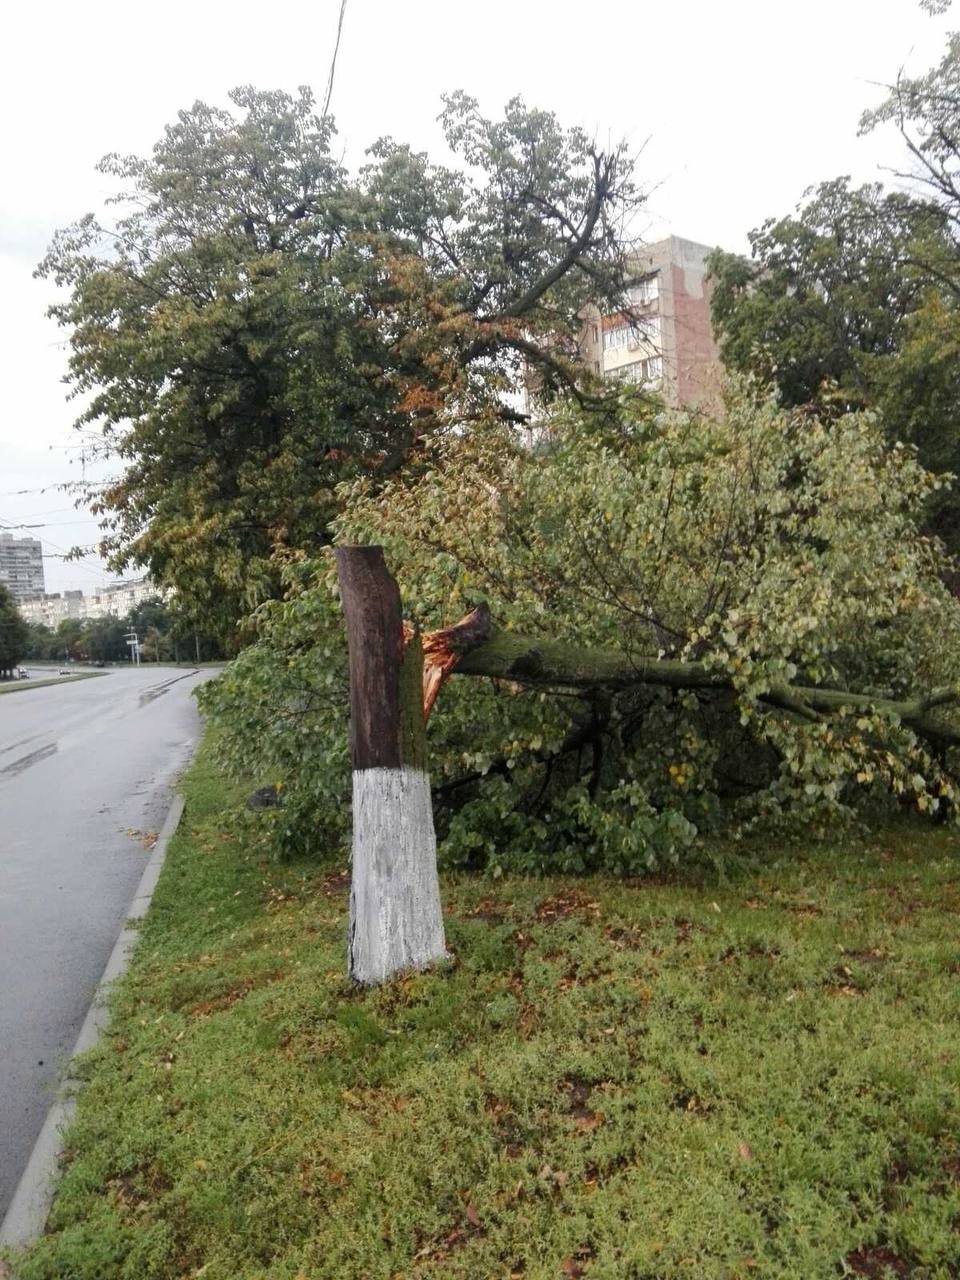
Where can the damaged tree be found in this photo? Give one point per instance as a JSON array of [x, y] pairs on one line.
[[395, 677], [396, 922]]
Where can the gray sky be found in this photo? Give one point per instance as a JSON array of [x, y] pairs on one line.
[[738, 107]]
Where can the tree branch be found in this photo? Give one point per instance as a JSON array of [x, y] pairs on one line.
[[603, 173]]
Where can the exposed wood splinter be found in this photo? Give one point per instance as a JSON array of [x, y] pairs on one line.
[[443, 649]]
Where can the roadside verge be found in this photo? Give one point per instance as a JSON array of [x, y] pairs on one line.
[[45, 684], [614, 1077], [27, 1214]]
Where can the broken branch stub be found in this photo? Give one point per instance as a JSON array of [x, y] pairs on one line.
[[443, 649]]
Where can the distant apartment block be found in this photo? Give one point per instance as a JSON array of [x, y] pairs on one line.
[[21, 565], [118, 600], [52, 608], [666, 341], [109, 602]]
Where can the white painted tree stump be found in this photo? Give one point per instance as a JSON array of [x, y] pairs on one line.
[[396, 920]]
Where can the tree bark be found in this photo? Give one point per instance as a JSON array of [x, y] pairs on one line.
[[396, 921]]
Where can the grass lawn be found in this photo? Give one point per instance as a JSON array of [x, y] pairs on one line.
[[748, 1077]]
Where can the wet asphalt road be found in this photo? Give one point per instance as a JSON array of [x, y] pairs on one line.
[[82, 766]]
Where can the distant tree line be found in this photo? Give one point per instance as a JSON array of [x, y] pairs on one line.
[[165, 636], [13, 634]]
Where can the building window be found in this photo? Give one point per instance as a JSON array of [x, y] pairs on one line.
[[641, 372], [644, 291], [627, 372], [617, 337], [644, 330]]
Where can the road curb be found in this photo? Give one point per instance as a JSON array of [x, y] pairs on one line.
[[27, 1214]]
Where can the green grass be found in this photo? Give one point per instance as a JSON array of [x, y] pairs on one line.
[[754, 1077], [22, 686]]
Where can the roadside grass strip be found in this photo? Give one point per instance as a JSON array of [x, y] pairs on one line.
[[754, 1075], [22, 686]]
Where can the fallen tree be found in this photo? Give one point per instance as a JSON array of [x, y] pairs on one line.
[[395, 678], [693, 627]]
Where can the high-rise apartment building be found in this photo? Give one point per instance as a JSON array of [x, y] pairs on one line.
[[666, 341], [21, 565]]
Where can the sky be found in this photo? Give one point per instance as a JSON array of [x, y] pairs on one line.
[[735, 107]]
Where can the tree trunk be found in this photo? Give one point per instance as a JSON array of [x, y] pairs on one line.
[[396, 921]]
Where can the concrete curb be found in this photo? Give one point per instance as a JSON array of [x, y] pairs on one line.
[[27, 1215]]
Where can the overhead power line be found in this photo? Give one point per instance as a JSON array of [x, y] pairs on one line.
[[61, 485], [333, 61], [50, 524]]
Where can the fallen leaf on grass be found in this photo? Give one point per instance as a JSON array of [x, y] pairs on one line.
[[577, 1265], [563, 905]]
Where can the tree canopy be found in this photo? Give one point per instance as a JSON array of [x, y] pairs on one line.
[[254, 323], [165, 634], [853, 301], [14, 633]]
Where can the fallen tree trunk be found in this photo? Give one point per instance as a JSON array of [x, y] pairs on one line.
[[557, 664], [443, 649]]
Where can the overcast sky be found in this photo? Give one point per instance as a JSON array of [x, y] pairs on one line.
[[738, 106]]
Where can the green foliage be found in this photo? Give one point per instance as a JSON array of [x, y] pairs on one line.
[[14, 633], [766, 544], [256, 324], [283, 710], [749, 1078], [853, 302], [827, 291]]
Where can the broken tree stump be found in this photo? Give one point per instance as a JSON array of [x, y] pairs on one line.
[[396, 921]]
